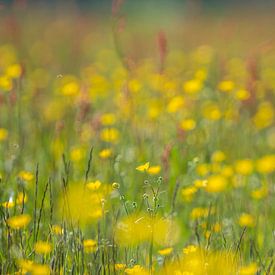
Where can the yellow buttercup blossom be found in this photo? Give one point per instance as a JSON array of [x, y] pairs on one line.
[[105, 153], [259, 193], [216, 183], [94, 185], [3, 134], [143, 167], [42, 247], [188, 193], [244, 166], [190, 249], [20, 221], [108, 119], [264, 116], [211, 111], [70, 89], [21, 198], [199, 212], [57, 229], [14, 71], [188, 124], [250, 269], [26, 176], [246, 220], [192, 86], [226, 86], [242, 94], [266, 164], [77, 154], [90, 245], [136, 270], [120, 266], [217, 227], [39, 269], [218, 156], [203, 169], [200, 183], [8, 204], [165, 251], [5, 83], [175, 104], [110, 135], [154, 170]]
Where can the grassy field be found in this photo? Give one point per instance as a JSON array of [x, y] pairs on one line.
[[137, 145]]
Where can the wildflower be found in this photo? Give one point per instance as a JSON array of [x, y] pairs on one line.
[[8, 204], [5, 83], [216, 184], [154, 170], [244, 167], [105, 153], [25, 175], [259, 193], [14, 71], [110, 135], [218, 156], [250, 269], [165, 251], [94, 185], [198, 212], [77, 154], [242, 94], [21, 198], [226, 86], [89, 245], [190, 249], [246, 220], [120, 266], [108, 119], [38, 269], [266, 164], [175, 104], [57, 229], [188, 193], [200, 183], [3, 134], [143, 167], [20, 221], [203, 169], [188, 124], [264, 116], [71, 88], [136, 270], [211, 111], [217, 227], [42, 247], [192, 86]]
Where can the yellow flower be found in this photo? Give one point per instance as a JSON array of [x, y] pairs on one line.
[[110, 135], [25, 175], [264, 116], [137, 270], [266, 164], [218, 156], [188, 193], [242, 94], [143, 167], [200, 183], [192, 86], [39, 269], [105, 153], [211, 111], [154, 170], [217, 227], [226, 86], [244, 167], [120, 266], [42, 247], [8, 204], [165, 251], [70, 89], [14, 71], [89, 245], [57, 229], [5, 83], [188, 124], [3, 134], [246, 220], [190, 249], [20, 221], [175, 104], [198, 212], [250, 269], [203, 169], [216, 183], [94, 185], [259, 193], [108, 119], [77, 154], [21, 197]]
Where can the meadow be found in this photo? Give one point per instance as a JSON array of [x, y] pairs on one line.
[[137, 145]]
